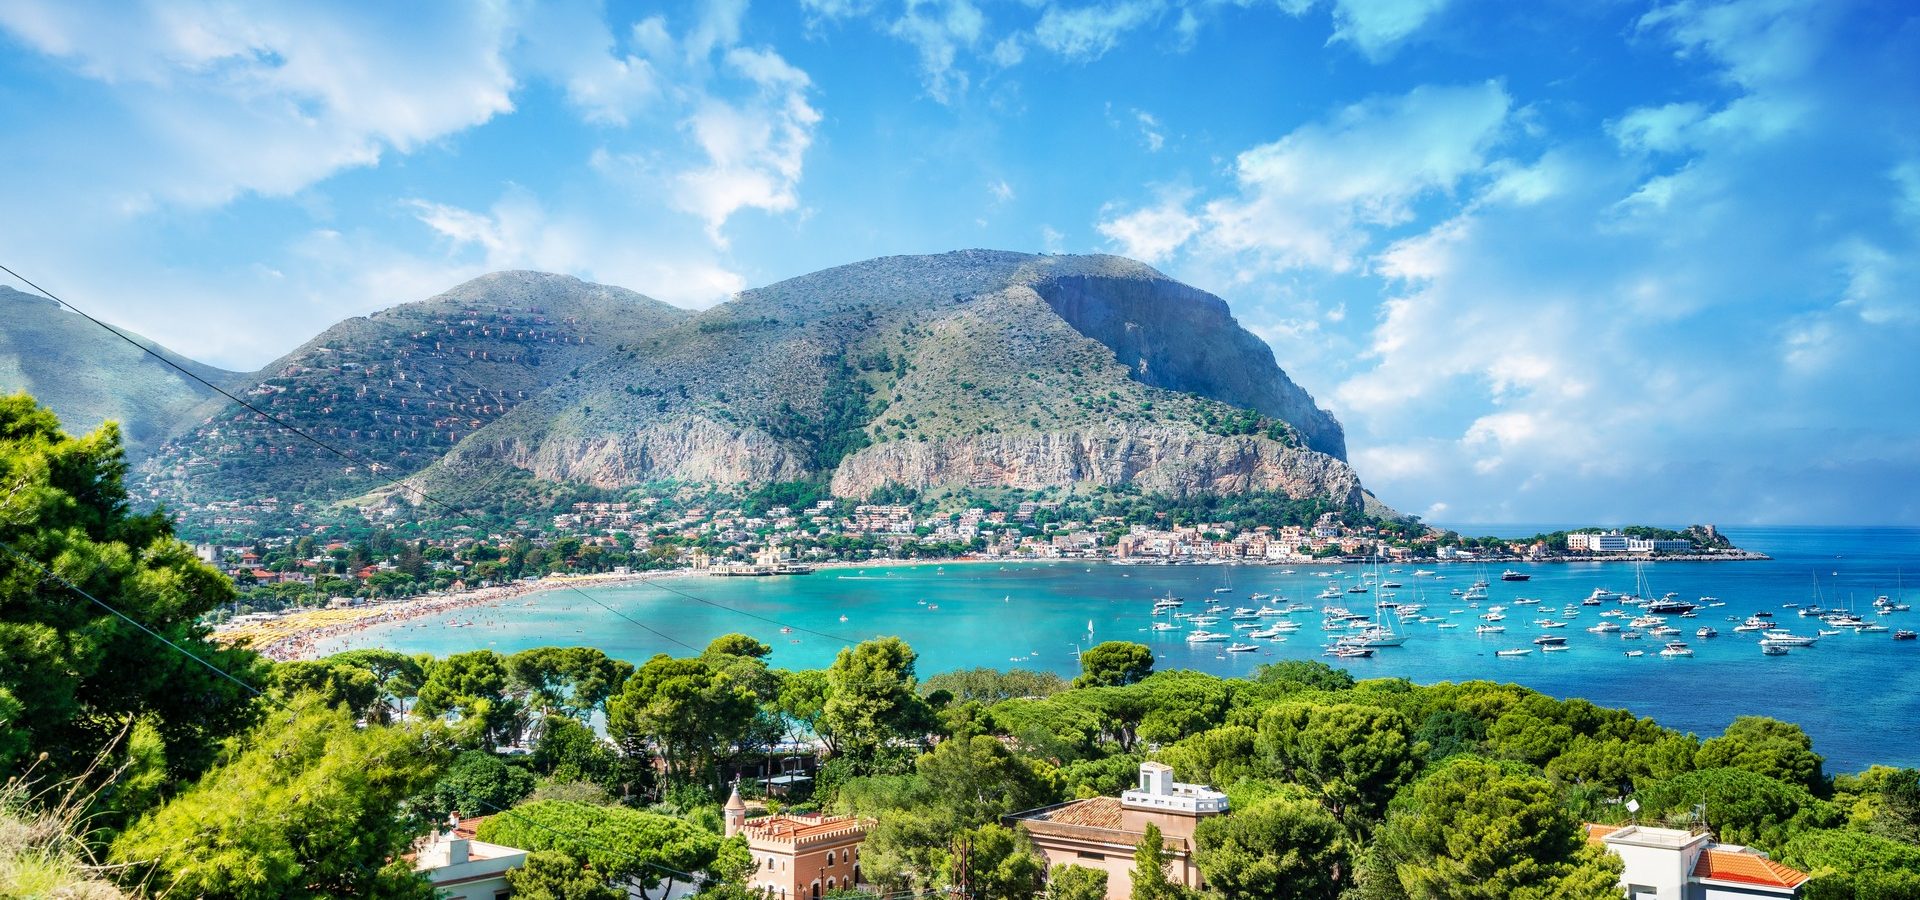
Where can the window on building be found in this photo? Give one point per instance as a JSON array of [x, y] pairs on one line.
[[1642, 892], [503, 894], [1085, 855], [831, 884], [829, 858], [816, 890]]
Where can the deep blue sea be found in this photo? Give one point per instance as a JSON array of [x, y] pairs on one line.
[[1858, 695]]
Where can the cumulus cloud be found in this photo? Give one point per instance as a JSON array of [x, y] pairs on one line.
[[271, 100], [1313, 198], [1153, 233]]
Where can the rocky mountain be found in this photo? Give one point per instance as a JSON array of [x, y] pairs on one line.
[[973, 369], [400, 388], [88, 376]]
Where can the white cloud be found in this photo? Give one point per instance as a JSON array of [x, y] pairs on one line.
[[1085, 33], [1051, 240], [754, 146], [1374, 27], [269, 100], [1000, 191], [1378, 27], [1150, 133], [1153, 233], [518, 232], [939, 30], [1312, 198]]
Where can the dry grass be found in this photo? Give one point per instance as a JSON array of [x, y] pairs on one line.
[[43, 847]]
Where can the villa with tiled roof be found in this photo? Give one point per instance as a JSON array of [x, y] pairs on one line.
[[1689, 865], [798, 857]]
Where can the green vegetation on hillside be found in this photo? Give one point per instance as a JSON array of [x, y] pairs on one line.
[[1369, 790]]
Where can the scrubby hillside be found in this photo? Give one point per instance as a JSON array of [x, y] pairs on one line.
[[86, 375], [966, 369], [401, 387]]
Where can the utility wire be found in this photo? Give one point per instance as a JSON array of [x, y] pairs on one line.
[[400, 484]]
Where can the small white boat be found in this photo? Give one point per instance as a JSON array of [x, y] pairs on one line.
[[1516, 651], [1489, 629], [1165, 626], [1205, 637], [1241, 648], [1555, 648], [1634, 653], [1773, 649], [1676, 648]]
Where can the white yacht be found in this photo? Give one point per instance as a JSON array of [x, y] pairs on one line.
[[1204, 636]]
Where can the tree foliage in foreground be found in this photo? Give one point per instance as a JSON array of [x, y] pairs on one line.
[[1477, 830], [307, 805], [73, 675], [623, 843]]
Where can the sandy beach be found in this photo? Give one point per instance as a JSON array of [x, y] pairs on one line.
[[297, 634]]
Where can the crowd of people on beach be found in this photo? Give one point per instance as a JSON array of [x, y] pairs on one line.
[[299, 636]]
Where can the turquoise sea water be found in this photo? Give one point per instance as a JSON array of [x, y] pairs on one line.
[[1858, 695]]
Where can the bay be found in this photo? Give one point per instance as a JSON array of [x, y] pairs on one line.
[[1858, 695]]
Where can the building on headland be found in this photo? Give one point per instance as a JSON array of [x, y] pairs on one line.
[[462, 868], [798, 857], [1103, 832], [1676, 864]]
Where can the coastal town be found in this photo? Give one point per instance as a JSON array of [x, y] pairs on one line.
[[316, 563]]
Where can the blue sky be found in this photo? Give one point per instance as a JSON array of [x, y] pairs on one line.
[[1548, 261]]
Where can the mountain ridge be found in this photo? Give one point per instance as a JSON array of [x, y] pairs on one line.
[[961, 355]]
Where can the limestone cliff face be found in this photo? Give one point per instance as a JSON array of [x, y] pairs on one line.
[[1158, 459], [683, 449], [1170, 335]]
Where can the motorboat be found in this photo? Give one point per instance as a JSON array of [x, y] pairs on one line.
[[1165, 626], [1555, 648], [1754, 624], [1633, 653], [1511, 575], [1514, 651], [1243, 612], [1168, 603], [1904, 634], [1787, 639], [1676, 648], [1552, 624], [1706, 631], [1205, 637], [1241, 648], [1264, 634], [1489, 629], [1549, 639], [1605, 628], [1772, 649]]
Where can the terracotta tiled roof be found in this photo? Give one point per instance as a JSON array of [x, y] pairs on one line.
[[1747, 868], [793, 829], [1597, 834], [467, 827], [1098, 812]]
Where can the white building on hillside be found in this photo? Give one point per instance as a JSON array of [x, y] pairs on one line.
[[1671, 864]]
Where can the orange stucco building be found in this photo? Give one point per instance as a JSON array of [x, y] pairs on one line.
[[798, 857]]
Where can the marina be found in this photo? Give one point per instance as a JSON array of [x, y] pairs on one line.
[[1035, 615]]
